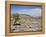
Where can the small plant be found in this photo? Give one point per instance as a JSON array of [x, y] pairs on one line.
[[16, 18]]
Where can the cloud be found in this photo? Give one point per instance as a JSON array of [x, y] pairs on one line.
[[32, 12]]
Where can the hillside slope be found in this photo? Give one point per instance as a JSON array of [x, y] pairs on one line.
[[27, 23]]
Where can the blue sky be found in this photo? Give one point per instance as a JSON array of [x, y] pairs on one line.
[[29, 10]]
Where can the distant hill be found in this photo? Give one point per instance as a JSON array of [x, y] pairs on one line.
[[27, 18], [39, 17]]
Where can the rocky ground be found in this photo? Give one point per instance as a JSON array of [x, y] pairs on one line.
[[27, 23]]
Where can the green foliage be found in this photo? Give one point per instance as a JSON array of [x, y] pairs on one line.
[[16, 17]]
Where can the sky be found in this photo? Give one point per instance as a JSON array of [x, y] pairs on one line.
[[29, 10]]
